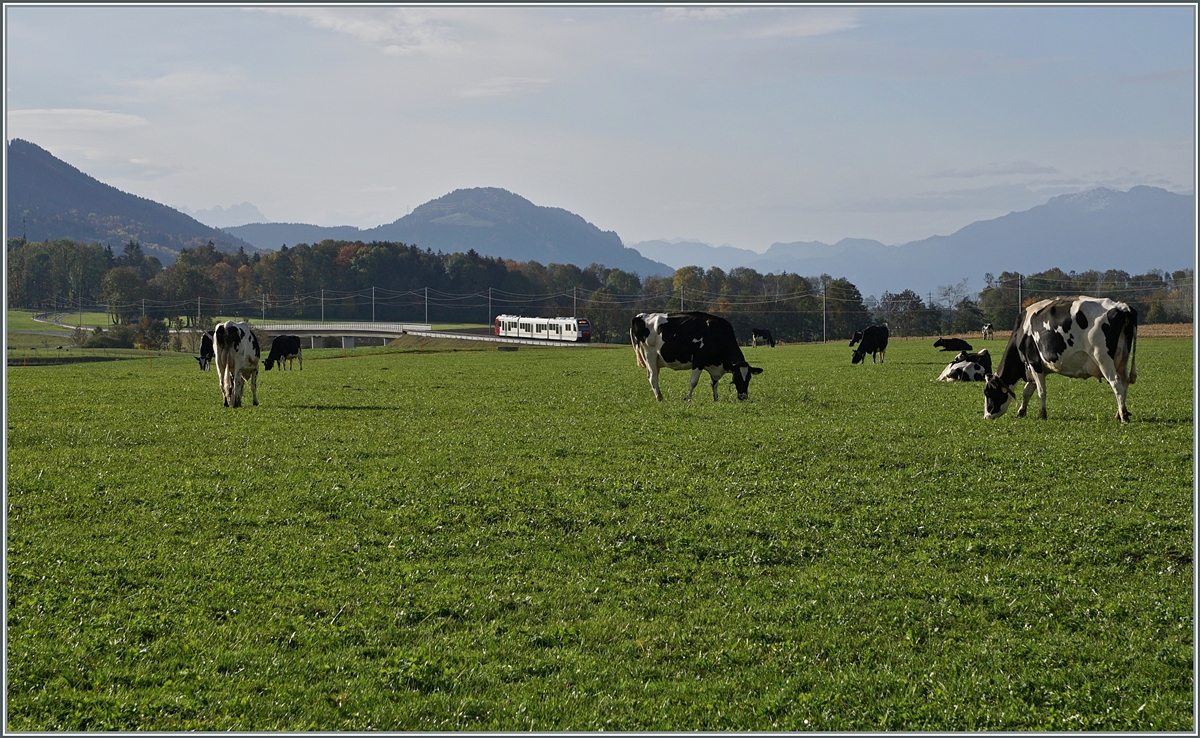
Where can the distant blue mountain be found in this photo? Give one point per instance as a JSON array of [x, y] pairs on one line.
[[1139, 230], [492, 221]]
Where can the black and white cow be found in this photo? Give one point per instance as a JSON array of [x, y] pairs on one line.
[[762, 334], [983, 358], [871, 340], [237, 361], [988, 331], [206, 351], [952, 344], [284, 348], [1073, 336], [692, 340], [964, 371]]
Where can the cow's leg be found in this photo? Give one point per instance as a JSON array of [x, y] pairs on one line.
[[1119, 387], [715, 378], [223, 380], [1030, 386], [695, 380], [254, 386], [652, 371], [1039, 383]]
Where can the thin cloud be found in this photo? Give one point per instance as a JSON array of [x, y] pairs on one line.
[[703, 14], [497, 86], [1170, 75], [396, 32], [816, 24], [991, 170], [73, 119]]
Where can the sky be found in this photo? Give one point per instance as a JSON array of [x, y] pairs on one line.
[[728, 125]]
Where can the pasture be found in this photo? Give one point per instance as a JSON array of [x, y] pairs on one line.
[[448, 540]]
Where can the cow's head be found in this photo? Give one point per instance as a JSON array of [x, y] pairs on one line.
[[741, 378], [939, 343], [996, 397], [267, 364], [203, 361]]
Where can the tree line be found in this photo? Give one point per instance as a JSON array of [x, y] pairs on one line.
[[396, 282]]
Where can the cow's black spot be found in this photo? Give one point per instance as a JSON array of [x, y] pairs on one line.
[[1055, 346], [639, 329], [1081, 319], [1117, 321], [1033, 357]]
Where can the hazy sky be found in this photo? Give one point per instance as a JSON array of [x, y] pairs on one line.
[[736, 125]]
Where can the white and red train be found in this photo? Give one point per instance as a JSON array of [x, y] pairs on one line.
[[574, 330]]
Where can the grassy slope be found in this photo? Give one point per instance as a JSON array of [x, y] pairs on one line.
[[528, 540]]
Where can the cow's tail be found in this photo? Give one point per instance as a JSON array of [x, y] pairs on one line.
[[638, 332], [1131, 339]]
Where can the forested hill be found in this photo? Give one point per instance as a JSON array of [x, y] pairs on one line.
[[492, 221], [49, 199]]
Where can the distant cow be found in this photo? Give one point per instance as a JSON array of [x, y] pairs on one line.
[[206, 351], [983, 358], [284, 348], [952, 344], [692, 340], [964, 371], [762, 334], [871, 340], [988, 332], [237, 361], [1073, 336]]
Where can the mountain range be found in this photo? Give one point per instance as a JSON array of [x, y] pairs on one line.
[[50, 199], [493, 221], [219, 217], [1139, 230]]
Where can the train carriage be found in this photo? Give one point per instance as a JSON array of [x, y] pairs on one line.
[[572, 330]]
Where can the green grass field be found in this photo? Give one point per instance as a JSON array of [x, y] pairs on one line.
[[398, 540]]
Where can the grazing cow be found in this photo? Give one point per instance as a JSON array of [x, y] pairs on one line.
[[952, 344], [983, 358], [964, 371], [1072, 336], [762, 334], [871, 340], [206, 351], [988, 331], [691, 340], [284, 348], [237, 361]]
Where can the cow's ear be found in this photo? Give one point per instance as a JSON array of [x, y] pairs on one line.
[[756, 370]]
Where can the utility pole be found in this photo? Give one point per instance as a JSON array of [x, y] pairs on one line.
[[574, 299], [372, 303], [489, 306], [1018, 293], [426, 306], [197, 309], [322, 304], [681, 298], [264, 307], [824, 336], [143, 308]]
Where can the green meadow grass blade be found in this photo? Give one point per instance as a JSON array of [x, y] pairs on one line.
[[516, 541]]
